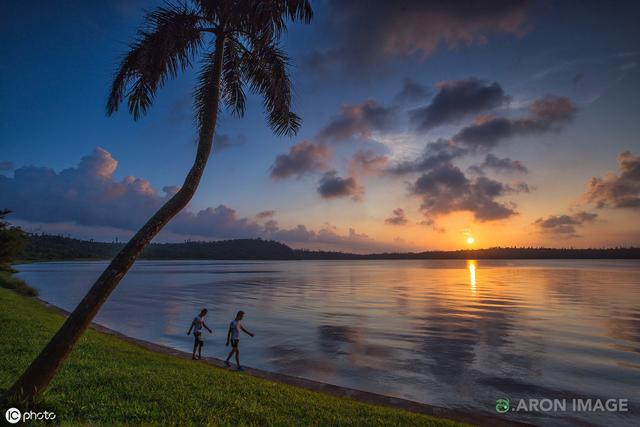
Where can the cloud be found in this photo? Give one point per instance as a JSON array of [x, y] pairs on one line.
[[553, 109], [221, 222], [328, 237], [266, 214], [446, 189], [617, 191], [414, 28], [301, 159], [86, 194], [412, 91], [6, 165], [457, 99], [223, 141], [498, 164], [398, 217], [435, 154], [431, 223], [358, 121], [564, 225], [366, 161], [87, 200], [546, 114], [332, 186]]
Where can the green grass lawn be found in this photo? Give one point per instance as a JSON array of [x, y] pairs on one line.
[[109, 381], [7, 280]]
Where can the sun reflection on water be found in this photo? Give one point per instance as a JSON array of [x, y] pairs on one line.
[[471, 265]]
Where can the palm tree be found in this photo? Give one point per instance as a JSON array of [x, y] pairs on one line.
[[238, 43]]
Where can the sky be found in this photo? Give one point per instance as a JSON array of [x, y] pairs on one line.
[[424, 123]]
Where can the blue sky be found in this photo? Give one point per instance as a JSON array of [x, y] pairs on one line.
[[57, 61]]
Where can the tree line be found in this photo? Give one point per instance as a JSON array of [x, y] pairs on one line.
[[46, 247]]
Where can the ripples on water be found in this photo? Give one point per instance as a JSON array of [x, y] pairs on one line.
[[448, 333]]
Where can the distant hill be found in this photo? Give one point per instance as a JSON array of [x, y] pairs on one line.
[[43, 247]]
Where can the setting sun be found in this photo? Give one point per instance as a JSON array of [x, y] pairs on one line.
[[470, 240]]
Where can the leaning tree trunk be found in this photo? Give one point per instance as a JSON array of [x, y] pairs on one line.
[[39, 374]]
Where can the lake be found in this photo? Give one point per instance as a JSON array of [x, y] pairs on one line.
[[458, 334]]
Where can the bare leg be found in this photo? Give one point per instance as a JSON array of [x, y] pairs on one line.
[[195, 346], [238, 357], [230, 354], [200, 351]]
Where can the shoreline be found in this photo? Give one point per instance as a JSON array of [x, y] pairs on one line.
[[474, 418]]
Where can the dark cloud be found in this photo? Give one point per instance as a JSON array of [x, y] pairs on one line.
[[301, 159], [398, 217], [617, 191], [446, 189], [486, 132], [498, 164], [521, 187], [366, 161], [6, 165], [412, 91], [564, 225], [546, 114], [553, 109], [223, 141], [358, 121], [413, 28], [457, 99], [266, 214], [435, 154], [332, 186]]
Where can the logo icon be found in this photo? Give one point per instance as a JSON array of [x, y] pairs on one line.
[[502, 406], [13, 415]]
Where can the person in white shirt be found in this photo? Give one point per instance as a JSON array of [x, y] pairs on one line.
[[233, 337], [196, 326]]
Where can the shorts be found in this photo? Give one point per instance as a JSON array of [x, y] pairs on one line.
[[235, 343], [198, 338]]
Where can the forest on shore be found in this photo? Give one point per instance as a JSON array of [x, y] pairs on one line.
[[45, 247]]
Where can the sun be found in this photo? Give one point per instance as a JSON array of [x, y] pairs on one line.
[[470, 240]]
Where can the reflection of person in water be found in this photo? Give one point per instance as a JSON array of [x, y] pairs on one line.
[[197, 325], [233, 336]]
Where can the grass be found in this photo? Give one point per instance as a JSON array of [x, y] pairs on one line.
[[7, 280], [110, 381]]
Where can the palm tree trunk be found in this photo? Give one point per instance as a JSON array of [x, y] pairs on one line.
[[39, 374]]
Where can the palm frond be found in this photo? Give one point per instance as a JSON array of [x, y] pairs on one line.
[[232, 84], [207, 90], [271, 16], [165, 46], [265, 69], [211, 9], [299, 10]]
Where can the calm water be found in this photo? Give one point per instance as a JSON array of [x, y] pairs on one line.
[[447, 333]]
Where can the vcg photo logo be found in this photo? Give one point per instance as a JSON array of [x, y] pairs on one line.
[[13, 415]]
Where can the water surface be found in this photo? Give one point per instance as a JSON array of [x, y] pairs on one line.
[[452, 333]]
